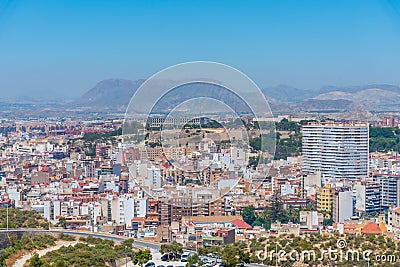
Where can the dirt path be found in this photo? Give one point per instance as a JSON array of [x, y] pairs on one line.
[[21, 261]]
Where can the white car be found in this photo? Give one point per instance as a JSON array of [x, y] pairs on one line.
[[186, 255]]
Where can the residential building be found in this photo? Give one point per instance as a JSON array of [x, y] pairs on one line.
[[311, 220], [342, 206], [394, 220], [337, 149], [390, 190], [368, 197], [324, 197], [153, 178]]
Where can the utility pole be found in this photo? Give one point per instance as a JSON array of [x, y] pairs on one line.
[[195, 231], [7, 217], [126, 258]]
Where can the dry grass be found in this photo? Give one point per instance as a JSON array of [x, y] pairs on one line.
[[14, 257]]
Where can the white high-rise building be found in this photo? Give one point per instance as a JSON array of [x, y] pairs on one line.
[[153, 178], [336, 149], [342, 206], [124, 208]]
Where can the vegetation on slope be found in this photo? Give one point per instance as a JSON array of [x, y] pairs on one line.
[[348, 253], [384, 139], [272, 213], [16, 247], [93, 252], [22, 219]]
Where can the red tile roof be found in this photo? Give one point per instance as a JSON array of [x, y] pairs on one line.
[[371, 228], [241, 224]]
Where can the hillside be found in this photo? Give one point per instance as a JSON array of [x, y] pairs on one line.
[[286, 93], [375, 98], [110, 94], [115, 94]]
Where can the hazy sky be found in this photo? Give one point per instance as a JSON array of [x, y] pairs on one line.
[[63, 48]]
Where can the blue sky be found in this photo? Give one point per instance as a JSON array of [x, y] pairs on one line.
[[63, 48]]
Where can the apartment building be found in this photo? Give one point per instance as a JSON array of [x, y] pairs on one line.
[[342, 208], [390, 190], [394, 220], [368, 197], [324, 197], [336, 149]]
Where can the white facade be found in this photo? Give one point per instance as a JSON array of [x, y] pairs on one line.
[[126, 207], [140, 207], [338, 150], [15, 194], [153, 178], [238, 156], [52, 210], [359, 191], [342, 206], [311, 220], [288, 189]]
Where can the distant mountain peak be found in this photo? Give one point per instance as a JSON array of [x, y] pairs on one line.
[[110, 93]]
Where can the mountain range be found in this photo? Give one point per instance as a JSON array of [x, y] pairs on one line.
[[115, 94]]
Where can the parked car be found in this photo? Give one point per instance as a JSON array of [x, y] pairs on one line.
[[150, 264], [170, 257], [208, 261], [165, 257], [211, 261], [185, 256]]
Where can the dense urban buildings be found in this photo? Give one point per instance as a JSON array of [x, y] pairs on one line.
[[81, 176]]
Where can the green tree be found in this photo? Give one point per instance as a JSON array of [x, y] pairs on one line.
[[249, 215], [328, 221], [140, 257], [35, 261], [62, 221], [128, 243], [230, 256], [174, 248], [294, 215], [244, 257], [194, 260], [261, 222], [61, 263], [275, 212]]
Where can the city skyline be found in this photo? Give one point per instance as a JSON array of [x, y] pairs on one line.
[[199, 133]]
